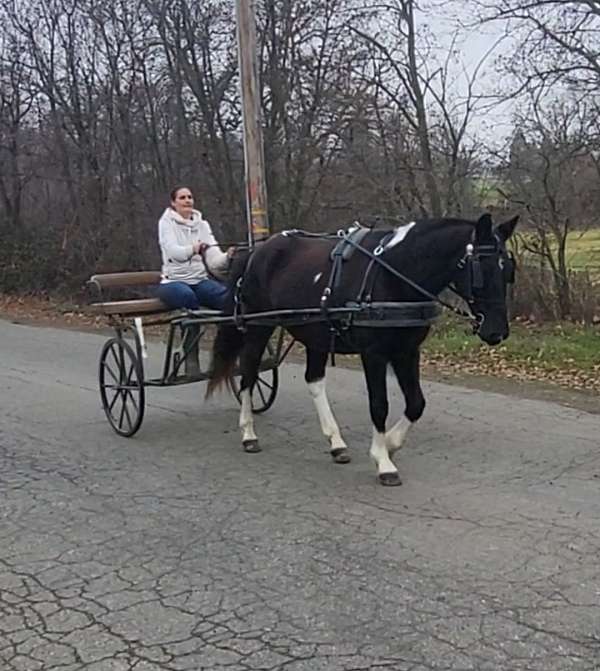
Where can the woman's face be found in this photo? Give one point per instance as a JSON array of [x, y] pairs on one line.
[[183, 203]]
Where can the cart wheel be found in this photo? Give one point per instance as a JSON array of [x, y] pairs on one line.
[[121, 380], [264, 392]]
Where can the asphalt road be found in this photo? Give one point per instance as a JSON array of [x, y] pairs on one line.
[[175, 550]]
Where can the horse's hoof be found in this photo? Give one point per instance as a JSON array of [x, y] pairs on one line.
[[251, 446], [340, 455], [389, 479]]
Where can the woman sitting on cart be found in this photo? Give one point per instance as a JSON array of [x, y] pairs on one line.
[[189, 251]]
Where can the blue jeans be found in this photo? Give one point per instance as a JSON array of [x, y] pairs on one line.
[[206, 293]]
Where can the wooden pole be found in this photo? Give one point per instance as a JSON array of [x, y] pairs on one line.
[[256, 190]]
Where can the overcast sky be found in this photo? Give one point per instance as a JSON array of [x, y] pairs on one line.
[[474, 44]]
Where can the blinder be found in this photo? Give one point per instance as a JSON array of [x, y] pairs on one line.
[[475, 272], [510, 266], [472, 263]]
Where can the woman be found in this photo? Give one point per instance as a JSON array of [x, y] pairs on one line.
[[186, 243]]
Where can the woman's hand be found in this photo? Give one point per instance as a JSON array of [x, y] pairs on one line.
[[230, 252], [199, 247]]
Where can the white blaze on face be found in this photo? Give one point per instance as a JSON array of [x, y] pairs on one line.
[[317, 277], [400, 234]]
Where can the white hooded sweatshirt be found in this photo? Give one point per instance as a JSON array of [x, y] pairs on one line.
[[176, 237]]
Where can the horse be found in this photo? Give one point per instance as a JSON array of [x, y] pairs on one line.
[[406, 264]]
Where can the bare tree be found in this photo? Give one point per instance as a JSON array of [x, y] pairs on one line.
[[120, 99], [198, 40], [552, 174], [556, 42], [17, 97], [306, 64], [417, 91]]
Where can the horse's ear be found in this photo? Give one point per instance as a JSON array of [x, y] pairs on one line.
[[483, 228], [505, 230]]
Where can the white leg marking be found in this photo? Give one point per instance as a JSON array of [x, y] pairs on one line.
[[396, 435], [246, 417], [379, 454], [329, 426]]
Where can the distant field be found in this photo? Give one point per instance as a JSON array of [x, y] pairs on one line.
[[583, 251]]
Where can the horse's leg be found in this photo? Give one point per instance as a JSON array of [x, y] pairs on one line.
[[254, 345], [375, 367], [314, 375], [406, 367]]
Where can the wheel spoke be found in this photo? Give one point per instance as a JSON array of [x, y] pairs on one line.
[[127, 409], [132, 397], [128, 377], [115, 358], [260, 391], [115, 397], [122, 410], [132, 384], [262, 381], [110, 371]]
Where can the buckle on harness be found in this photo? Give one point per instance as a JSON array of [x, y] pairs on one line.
[[238, 306]]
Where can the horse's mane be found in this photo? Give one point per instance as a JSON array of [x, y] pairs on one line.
[[443, 223]]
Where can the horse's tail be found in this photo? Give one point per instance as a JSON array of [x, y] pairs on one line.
[[226, 349], [229, 340]]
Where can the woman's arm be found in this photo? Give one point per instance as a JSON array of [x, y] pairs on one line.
[[168, 242], [215, 258]]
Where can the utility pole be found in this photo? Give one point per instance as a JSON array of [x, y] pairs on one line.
[[256, 188]]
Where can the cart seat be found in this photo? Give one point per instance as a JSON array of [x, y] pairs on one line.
[[137, 307], [147, 306], [140, 306]]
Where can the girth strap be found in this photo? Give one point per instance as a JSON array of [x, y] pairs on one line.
[[341, 253]]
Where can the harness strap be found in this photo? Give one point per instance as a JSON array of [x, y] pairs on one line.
[[238, 306], [377, 259], [239, 309], [340, 253], [326, 297], [370, 274]]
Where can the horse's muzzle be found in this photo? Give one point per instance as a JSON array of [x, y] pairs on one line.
[[493, 339], [490, 337]]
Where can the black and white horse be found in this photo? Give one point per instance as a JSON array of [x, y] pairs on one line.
[[423, 257]]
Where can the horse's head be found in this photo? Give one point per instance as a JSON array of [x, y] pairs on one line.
[[485, 272]]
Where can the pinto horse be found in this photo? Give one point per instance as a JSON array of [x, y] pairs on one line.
[[407, 264]]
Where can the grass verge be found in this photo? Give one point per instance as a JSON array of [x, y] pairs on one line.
[[565, 354]]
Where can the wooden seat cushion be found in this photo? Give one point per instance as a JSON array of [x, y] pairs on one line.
[[140, 306]]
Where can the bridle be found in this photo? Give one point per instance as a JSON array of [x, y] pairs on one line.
[[471, 264]]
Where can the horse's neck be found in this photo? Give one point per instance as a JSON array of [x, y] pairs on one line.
[[433, 272]]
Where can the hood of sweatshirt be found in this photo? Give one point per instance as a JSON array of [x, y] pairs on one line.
[[177, 218]]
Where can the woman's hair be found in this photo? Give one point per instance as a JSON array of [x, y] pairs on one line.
[[174, 190]]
